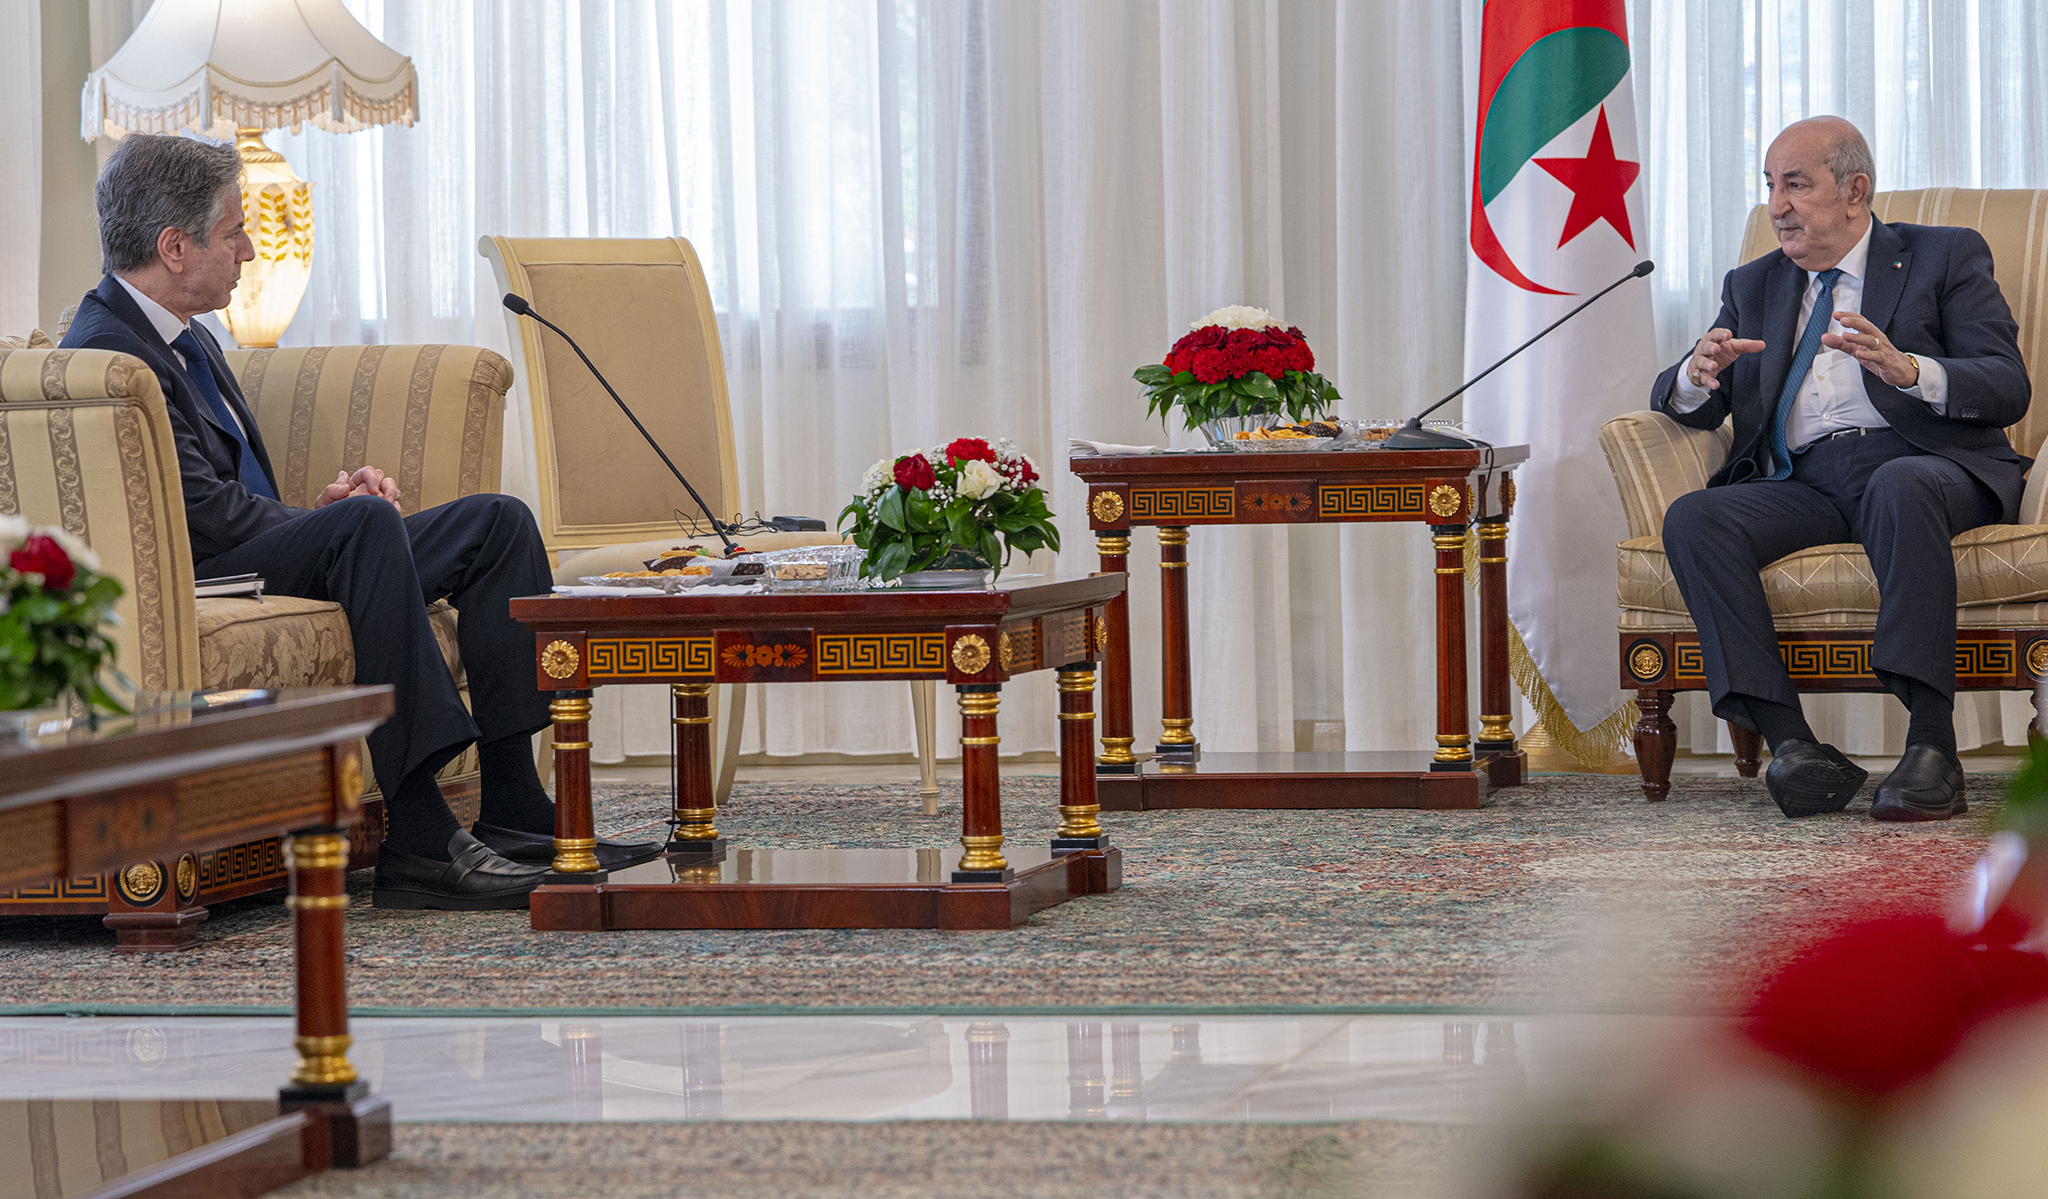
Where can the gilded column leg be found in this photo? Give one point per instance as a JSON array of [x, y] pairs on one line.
[[317, 859], [575, 827], [1505, 762], [1113, 547], [696, 815], [1453, 718], [1177, 696], [1079, 828], [981, 817]]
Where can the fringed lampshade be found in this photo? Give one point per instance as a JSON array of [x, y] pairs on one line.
[[236, 68]]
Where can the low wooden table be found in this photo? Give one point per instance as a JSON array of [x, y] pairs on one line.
[[975, 640], [1451, 491], [139, 796]]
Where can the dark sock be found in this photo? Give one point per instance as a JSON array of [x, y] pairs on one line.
[[417, 820], [1779, 723], [1933, 722], [513, 796]]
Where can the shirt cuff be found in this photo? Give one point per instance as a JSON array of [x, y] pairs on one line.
[[1685, 394], [1932, 389]]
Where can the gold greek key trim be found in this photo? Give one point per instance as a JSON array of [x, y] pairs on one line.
[[1113, 547], [1107, 506], [1080, 821], [566, 746], [317, 903], [575, 710], [323, 1061], [646, 657], [1116, 751], [1369, 499], [1445, 500], [1173, 535], [970, 655], [983, 853], [573, 855], [558, 660]]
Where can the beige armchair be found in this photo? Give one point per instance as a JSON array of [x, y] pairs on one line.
[[85, 443], [1825, 597], [640, 308]]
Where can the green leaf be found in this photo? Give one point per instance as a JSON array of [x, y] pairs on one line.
[[893, 558], [890, 510], [1152, 376]]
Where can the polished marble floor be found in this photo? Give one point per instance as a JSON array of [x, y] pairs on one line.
[[1240, 1068]]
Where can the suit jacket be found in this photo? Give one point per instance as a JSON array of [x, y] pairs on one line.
[[219, 512], [1930, 288]]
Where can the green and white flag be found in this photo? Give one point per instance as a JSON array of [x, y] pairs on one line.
[[1557, 214]]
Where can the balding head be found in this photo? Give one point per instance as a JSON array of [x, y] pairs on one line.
[[1821, 177]]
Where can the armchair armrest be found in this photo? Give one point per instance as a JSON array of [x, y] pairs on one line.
[[1655, 460], [85, 445]]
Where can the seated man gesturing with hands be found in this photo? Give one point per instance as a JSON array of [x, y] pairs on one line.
[[1870, 370], [170, 212]]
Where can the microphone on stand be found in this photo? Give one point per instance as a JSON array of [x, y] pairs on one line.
[[517, 303], [1412, 436]]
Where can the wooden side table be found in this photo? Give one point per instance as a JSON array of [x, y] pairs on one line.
[[1450, 491], [139, 796], [975, 640]]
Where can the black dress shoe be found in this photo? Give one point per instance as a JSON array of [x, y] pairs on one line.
[[478, 880], [540, 848], [1809, 779], [1927, 784]]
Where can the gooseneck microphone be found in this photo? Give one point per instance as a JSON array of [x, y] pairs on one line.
[[517, 303], [1412, 436]]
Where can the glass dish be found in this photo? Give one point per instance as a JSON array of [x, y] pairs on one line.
[[665, 584]]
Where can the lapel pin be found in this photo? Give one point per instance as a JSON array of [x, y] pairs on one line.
[[1897, 265]]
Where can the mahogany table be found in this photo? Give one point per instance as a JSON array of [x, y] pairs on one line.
[[1451, 491], [139, 796], [975, 640]]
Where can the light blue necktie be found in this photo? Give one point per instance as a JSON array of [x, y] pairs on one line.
[[200, 368], [1802, 362]]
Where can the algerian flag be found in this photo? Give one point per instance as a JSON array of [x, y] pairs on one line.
[[1557, 215]]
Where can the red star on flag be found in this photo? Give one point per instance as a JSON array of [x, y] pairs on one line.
[[1599, 184]]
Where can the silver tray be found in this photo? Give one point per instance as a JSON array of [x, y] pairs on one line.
[[1285, 445], [666, 584]]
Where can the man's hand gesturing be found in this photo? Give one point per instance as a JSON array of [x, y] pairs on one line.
[[1715, 353]]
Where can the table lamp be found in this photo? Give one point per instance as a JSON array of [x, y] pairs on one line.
[[239, 67]]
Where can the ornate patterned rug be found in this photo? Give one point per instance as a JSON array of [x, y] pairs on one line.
[[1568, 894]]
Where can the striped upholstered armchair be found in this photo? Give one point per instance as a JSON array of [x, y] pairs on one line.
[[1825, 597], [85, 443]]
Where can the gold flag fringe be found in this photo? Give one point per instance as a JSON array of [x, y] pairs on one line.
[[1592, 746]]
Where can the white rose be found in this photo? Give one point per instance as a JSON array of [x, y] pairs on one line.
[[880, 476], [979, 480], [1238, 316]]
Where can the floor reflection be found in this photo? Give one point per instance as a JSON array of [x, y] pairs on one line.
[[1257, 1068], [66, 1147]]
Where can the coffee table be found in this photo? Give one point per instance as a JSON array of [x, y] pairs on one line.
[[139, 796], [1451, 491], [976, 640]]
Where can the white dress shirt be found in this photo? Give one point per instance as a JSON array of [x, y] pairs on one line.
[[1833, 396], [170, 328]]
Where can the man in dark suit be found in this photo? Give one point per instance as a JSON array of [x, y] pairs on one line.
[[171, 231], [1871, 370]]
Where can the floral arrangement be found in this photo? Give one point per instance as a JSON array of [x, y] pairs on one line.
[[969, 504], [1237, 362], [53, 605]]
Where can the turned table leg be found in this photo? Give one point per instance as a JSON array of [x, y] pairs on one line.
[[1079, 829], [1113, 546], [1749, 749], [696, 814], [1177, 697], [1656, 742], [1453, 721], [981, 816], [575, 827], [1505, 761], [318, 860]]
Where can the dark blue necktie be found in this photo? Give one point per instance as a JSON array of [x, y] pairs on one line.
[[1802, 362], [200, 369]]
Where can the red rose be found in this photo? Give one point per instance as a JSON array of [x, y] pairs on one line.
[[969, 449], [42, 555], [914, 473], [1883, 1004]]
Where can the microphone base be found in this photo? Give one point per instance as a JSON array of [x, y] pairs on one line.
[[1415, 437]]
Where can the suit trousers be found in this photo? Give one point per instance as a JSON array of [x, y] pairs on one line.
[[383, 569], [1901, 505]]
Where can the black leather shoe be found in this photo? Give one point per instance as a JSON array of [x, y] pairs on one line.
[[1927, 784], [536, 847], [1809, 779], [478, 880]]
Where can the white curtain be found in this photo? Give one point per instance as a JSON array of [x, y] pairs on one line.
[[21, 184], [928, 218]]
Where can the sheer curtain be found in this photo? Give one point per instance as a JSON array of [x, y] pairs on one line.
[[926, 218], [21, 185]]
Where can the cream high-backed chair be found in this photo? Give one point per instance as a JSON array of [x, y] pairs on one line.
[[1825, 597], [640, 308]]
